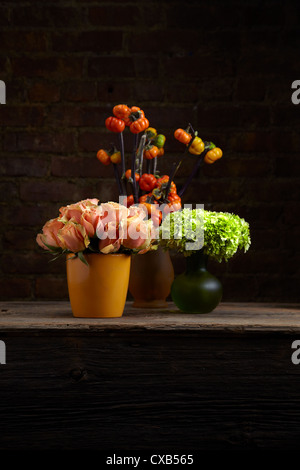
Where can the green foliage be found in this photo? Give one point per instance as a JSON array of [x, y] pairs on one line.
[[221, 234]]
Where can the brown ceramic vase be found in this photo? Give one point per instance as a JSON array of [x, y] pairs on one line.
[[151, 277]]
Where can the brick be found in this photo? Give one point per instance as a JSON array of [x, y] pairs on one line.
[[153, 16], [8, 191], [188, 18], [56, 190], [145, 67], [263, 16], [265, 239], [23, 166], [79, 116], [44, 91], [203, 191], [50, 288], [290, 38], [260, 215], [287, 166], [113, 91], [105, 66], [254, 261], [65, 115], [269, 63], [259, 42], [234, 167], [25, 41], [122, 67], [47, 16], [4, 64], [279, 190], [32, 263], [81, 91], [214, 67], [15, 288], [88, 41], [28, 215], [92, 141], [240, 288], [280, 91], [219, 116], [21, 116], [234, 115], [10, 141], [174, 42], [12, 240], [106, 190], [169, 116], [77, 167], [164, 165], [50, 67], [180, 94], [289, 141], [46, 142], [114, 16], [4, 16], [290, 238], [203, 90], [250, 89], [287, 116], [148, 91], [179, 263], [290, 214], [253, 141], [286, 289], [219, 42], [15, 91]]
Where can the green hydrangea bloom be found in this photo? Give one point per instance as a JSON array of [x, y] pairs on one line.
[[221, 234]]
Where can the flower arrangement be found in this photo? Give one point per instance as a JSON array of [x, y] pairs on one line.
[[220, 234], [157, 193], [88, 226]]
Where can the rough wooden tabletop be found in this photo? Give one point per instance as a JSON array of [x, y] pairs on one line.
[[42, 315]]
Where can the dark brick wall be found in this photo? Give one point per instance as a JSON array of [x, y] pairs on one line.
[[226, 67]]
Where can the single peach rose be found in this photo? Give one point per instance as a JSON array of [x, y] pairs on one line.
[[73, 237], [74, 211], [91, 220], [137, 233], [111, 239], [49, 237], [113, 212], [138, 210]]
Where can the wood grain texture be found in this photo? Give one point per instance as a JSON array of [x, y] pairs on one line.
[[238, 317], [150, 380]]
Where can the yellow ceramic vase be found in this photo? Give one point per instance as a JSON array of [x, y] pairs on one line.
[[100, 289]]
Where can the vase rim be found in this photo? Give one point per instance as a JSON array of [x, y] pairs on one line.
[[100, 254]]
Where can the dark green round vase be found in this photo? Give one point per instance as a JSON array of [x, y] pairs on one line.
[[196, 290]]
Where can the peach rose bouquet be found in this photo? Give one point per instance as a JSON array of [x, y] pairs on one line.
[[90, 227]]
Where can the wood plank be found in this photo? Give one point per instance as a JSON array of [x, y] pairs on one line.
[[151, 392], [237, 318], [151, 380]]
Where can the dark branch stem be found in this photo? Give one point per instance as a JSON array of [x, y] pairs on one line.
[[115, 167], [140, 154], [176, 166], [123, 169], [194, 171], [154, 165], [133, 161]]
